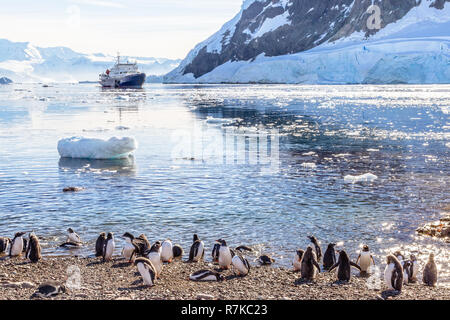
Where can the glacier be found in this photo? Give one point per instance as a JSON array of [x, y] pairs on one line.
[[95, 148], [25, 62], [413, 50]]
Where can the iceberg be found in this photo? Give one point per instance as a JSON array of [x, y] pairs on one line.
[[89, 148], [367, 177]]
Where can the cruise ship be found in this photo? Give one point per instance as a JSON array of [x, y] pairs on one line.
[[122, 75]]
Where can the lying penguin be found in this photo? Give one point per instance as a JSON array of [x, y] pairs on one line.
[[206, 275], [265, 260], [48, 290], [73, 240], [344, 267]]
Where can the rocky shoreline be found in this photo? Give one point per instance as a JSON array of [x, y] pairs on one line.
[[117, 280], [438, 229]]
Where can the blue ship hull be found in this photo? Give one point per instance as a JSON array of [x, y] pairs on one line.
[[131, 81]]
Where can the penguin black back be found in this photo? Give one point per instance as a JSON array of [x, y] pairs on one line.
[[329, 258], [34, 249], [317, 247], [397, 274], [309, 262], [99, 244], [344, 266]]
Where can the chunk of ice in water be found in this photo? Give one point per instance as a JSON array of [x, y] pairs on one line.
[[367, 177], [88, 148]]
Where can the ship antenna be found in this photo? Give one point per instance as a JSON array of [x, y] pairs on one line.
[[118, 57]]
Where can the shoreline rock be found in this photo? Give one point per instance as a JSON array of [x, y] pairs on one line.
[[438, 229]]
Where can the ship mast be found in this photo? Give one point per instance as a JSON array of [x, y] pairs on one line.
[[118, 57]]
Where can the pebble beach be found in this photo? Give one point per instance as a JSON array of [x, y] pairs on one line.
[[118, 280]]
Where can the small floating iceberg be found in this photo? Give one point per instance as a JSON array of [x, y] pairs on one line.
[[367, 177], [212, 120], [87, 148]]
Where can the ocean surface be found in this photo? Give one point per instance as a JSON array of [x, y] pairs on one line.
[[260, 165]]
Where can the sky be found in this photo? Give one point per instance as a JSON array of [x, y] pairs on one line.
[[150, 28]]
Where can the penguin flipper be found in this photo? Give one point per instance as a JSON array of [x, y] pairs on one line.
[[316, 265], [333, 267], [359, 257], [373, 260], [355, 265]]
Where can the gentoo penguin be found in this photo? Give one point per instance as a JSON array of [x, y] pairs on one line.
[[197, 250], [344, 265], [17, 245], [407, 275], [167, 251], [143, 244], [393, 274], [154, 256], [130, 249], [317, 247], [100, 244], [224, 255], [265, 260], [49, 289], [73, 236], [108, 249], [34, 248], [399, 256], [430, 272], [365, 259], [244, 248], [309, 265], [297, 263], [414, 268], [4, 242], [206, 275], [215, 252], [329, 258], [177, 251], [240, 265], [147, 270]]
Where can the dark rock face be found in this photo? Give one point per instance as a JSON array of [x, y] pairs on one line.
[[311, 24], [4, 80]]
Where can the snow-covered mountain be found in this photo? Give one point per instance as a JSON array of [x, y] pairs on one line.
[[24, 62], [326, 41]]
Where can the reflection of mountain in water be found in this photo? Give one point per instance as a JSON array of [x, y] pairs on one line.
[[125, 166]]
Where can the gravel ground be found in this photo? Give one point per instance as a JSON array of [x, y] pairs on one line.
[[119, 280]]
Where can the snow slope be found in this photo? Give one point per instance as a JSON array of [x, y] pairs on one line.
[[414, 49], [24, 62]]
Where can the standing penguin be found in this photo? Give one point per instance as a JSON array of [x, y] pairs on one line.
[[34, 248], [317, 247], [430, 273], [309, 265], [130, 249], [143, 244], [154, 256], [17, 245], [197, 250], [224, 255], [167, 251], [108, 250], [344, 265], [241, 265], [4, 242], [329, 258], [215, 253], [100, 244], [407, 271], [297, 263], [147, 270], [393, 274], [365, 259], [414, 268]]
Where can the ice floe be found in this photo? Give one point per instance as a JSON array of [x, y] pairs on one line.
[[367, 177], [89, 148]]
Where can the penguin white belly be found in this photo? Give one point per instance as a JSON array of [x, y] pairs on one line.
[[155, 258], [127, 251], [388, 275], [72, 237], [365, 261], [17, 247], [110, 249], [145, 274], [297, 264], [239, 266], [166, 251], [224, 257], [201, 248], [203, 276]]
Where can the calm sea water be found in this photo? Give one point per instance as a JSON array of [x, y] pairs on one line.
[[261, 165]]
